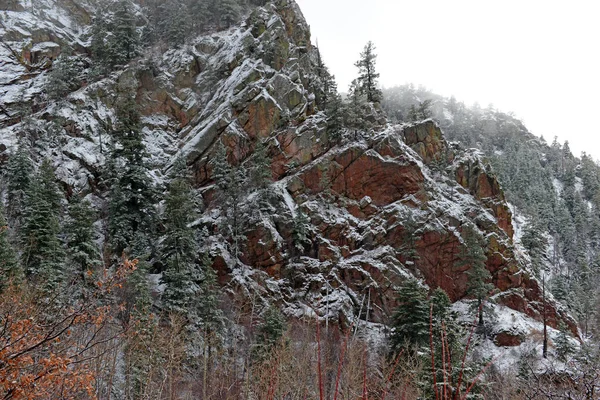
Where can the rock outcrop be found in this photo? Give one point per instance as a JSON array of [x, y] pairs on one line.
[[370, 201]]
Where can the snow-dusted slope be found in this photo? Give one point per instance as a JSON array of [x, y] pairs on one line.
[[259, 82]]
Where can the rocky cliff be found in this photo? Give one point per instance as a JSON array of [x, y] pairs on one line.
[[367, 199]]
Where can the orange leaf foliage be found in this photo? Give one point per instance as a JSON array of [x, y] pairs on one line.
[[47, 355]]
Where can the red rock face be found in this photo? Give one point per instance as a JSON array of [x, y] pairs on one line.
[[360, 182], [298, 148], [485, 187], [160, 102], [262, 116], [438, 253], [367, 174], [507, 339], [263, 252], [427, 140], [356, 173]]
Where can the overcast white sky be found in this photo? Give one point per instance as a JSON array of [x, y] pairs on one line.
[[538, 59]]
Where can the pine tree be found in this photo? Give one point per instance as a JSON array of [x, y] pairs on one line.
[[232, 185], [131, 214], [334, 109], [354, 113], [473, 255], [367, 78], [559, 289], [260, 167], [101, 52], [200, 13], [138, 355], [43, 255], [420, 112], [64, 77], [19, 172], [564, 347], [442, 310], [131, 228], [179, 249], [410, 322], [329, 100], [413, 114], [211, 315], [535, 242], [228, 12], [125, 41], [300, 231], [585, 295], [270, 332], [424, 109], [10, 269], [81, 249], [173, 21], [322, 95]]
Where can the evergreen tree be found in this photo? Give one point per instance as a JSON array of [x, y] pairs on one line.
[[355, 109], [131, 229], [413, 114], [260, 167], [564, 347], [138, 355], [173, 21], [232, 186], [270, 332], [101, 52], [179, 249], [211, 315], [43, 255], [322, 94], [81, 249], [9, 266], [200, 14], [131, 214], [535, 242], [410, 322], [420, 112], [367, 78], [442, 313], [228, 12], [585, 295], [329, 100], [565, 227], [334, 111], [560, 289], [300, 231], [473, 255], [64, 77], [125, 41], [424, 109], [19, 172]]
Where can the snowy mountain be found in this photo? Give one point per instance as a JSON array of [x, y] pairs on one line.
[[258, 82], [339, 225]]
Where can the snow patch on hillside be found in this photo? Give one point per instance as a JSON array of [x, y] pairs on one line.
[[507, 320], [558, 186]]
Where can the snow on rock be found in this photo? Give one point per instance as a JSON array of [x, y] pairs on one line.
[[513, 337], [578, 185], [558, 186], [259, 82], [520, 220]]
